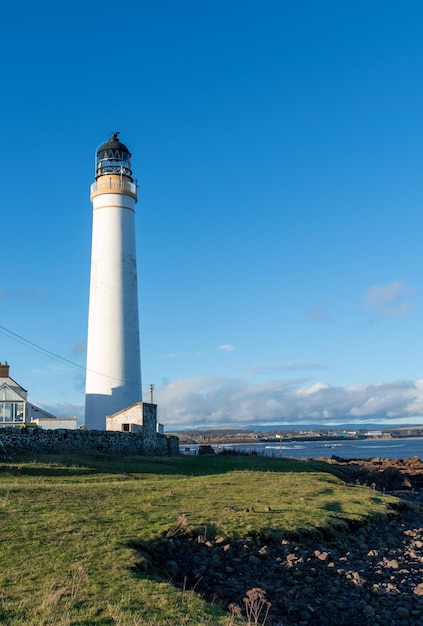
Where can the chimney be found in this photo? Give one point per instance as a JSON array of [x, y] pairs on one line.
[[4, 370]]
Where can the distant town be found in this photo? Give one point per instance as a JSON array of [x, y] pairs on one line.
[[226, 435]]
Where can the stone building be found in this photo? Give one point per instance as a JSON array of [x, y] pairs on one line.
[[140, 417]]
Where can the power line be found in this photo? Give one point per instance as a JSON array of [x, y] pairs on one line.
[[52, 355], [37, 348]]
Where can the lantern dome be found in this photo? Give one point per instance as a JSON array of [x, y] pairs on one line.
[[113, 157]]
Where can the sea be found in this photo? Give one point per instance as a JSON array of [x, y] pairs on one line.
[[349, 448]]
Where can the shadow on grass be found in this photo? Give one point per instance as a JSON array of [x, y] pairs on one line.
[[91, 463], [33, 469], [335, 507]]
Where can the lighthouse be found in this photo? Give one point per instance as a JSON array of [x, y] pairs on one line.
[[113, 377]]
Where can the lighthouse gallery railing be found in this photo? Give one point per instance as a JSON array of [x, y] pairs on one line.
[[122, 185]]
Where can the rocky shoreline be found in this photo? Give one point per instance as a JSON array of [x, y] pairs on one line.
[[371, 574], [381, 474]]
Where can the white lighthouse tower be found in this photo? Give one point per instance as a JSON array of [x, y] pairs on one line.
[[113, 379]]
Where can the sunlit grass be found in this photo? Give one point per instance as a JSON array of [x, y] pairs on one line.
[[67, 526]]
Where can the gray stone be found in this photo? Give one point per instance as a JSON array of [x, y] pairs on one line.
[[369, 610], [16, 440], [305, 615], [172, 567]]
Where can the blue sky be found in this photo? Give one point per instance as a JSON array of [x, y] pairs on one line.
[[278, 151]]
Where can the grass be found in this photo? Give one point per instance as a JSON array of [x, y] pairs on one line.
[[67, 524]]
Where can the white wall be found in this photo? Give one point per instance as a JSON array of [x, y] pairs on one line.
[[133, 416], [69, 423]]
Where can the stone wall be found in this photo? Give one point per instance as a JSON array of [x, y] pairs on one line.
[[16, 440]]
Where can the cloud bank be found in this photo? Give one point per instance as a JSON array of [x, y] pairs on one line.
[[222, 401], [213, 401]]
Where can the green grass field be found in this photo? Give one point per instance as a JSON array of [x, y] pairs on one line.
[[67, 524]]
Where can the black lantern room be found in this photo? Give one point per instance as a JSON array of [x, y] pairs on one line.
[[113, 157]]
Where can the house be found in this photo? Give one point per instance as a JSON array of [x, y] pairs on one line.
[[15, 410]]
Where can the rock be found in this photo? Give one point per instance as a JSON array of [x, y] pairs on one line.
[[322, 556], [221, 540], [373, 553], [369, 610], [172, 567], [143, 564]]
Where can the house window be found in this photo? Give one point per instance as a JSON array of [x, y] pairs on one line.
[[11, 412], [19, 416], [125, 427]]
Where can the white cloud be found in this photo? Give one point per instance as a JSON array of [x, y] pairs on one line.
[[308, 391], [227, 347], [390, 299], [208, 401], [379, 296]]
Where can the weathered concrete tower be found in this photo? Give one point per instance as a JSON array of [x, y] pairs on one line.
[[113, 379]]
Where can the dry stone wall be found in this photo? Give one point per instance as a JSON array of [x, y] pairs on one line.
[[16, 440]]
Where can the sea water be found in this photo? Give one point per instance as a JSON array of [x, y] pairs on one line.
[[345, 448]]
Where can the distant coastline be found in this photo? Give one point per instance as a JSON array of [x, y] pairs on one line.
[[305, 445], [257, 437]]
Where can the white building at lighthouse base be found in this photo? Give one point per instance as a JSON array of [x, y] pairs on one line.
[[140, 417]]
